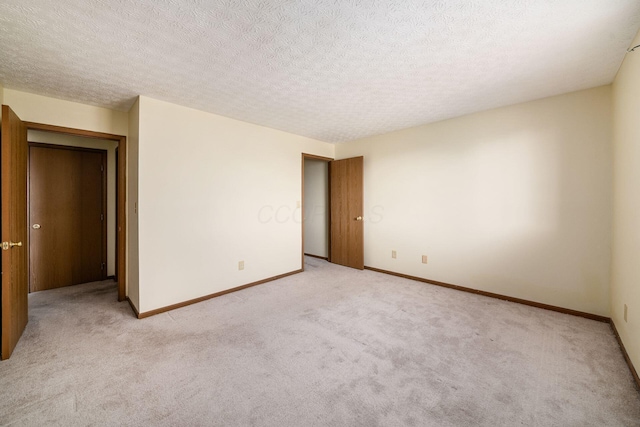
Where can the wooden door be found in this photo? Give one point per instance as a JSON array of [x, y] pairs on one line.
[[67, 216], [15, 276], [346, 187]]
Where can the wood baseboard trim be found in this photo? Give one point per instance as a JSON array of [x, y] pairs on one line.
[[497, 296], [318, 256], [133, 307], [217, 294], [632, 368]]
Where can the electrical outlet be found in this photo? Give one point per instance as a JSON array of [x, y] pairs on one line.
[[424, 259], [240, 265], [625, 312], [393, 254]]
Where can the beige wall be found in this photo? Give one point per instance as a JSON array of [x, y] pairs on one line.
[[100, 144], [515, 201], [625, 276], [42, 109], [133, 284], [316, 206], [212, 192], [1, 99]]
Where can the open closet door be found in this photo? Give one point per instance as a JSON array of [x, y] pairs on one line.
[[15, 273], [346, 192]]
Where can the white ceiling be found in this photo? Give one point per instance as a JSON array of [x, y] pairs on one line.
[[334, 70]]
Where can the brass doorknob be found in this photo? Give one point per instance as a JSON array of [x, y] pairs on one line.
[[359, 218], [8, 245], [36, 226]]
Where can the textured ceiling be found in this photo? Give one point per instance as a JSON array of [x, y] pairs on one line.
[[334, 70]]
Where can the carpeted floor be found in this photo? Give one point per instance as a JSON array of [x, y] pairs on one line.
[[329, 347]]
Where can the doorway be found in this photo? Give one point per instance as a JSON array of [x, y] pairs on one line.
[[316, 209], [15, 242], [336, 199], [116, 212], [68, 214]]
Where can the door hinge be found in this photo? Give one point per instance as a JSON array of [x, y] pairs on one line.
[[101, 168], [102, 266], [101, 217]]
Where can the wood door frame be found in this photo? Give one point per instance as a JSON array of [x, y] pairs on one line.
[[115, 277], [103, 184], [121, 214], [306, 156]]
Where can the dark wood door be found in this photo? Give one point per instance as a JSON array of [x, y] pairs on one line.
[[346, 192], [67, 216], [15, 276]]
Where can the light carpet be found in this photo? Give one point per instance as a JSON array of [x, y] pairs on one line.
[[329, 347]]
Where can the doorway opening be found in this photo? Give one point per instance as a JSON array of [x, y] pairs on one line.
[[15, 237], [112, 222], [332, 210], [316, 207]]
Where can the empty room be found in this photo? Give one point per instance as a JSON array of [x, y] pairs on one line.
[[320, 213]]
